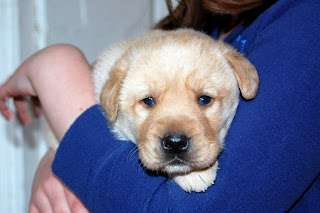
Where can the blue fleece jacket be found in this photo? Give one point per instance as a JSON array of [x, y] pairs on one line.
[[271, 162]]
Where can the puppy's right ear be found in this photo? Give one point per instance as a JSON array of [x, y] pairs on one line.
[[109, 96]]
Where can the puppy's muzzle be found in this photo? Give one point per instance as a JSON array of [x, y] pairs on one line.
[[175, 143]]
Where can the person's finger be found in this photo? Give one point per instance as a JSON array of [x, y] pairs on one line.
[[5, 110], [36, 106], [23, 111], [33, 209], [75, 203], [57, 196], [78, 207], [40, 203]]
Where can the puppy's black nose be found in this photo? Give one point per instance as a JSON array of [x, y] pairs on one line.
[[175, 143]]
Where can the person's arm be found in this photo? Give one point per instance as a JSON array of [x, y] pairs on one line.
[[60, 77]]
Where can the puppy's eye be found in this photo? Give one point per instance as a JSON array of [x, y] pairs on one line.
[[204, 100], [149, 101]]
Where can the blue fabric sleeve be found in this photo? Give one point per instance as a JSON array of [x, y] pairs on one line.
[[271, 160]]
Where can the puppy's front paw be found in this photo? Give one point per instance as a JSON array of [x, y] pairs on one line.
[[198, 181]]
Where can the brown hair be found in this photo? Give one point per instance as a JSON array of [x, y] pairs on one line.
[[205, 15]]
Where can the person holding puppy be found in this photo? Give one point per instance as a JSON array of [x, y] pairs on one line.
[[271, 159]]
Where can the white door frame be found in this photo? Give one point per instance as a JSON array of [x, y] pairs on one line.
[[20, 147], [11, 147]]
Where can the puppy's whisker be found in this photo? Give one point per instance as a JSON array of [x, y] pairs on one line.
[[142, 167], [220, 146], [135, 149]]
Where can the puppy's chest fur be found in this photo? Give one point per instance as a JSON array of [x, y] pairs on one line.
[[174, 94]]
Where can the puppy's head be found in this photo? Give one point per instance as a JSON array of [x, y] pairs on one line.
[[175, 94]]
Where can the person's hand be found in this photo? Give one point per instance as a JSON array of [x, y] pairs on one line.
[[49, 194], [18, 86]]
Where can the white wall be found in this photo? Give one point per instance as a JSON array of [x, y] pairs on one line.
[[29, 25]]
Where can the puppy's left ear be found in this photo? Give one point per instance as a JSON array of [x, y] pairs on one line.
[[246, 73], [109, 96]]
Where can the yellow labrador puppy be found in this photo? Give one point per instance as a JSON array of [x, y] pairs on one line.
[[174, 95]]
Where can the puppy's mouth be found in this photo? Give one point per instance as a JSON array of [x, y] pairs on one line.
[[176, 162], [176, 165]]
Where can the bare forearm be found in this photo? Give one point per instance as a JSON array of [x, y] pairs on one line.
[[60, 77], [62, 81]]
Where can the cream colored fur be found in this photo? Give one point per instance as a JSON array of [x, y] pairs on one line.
[[175, 68]]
